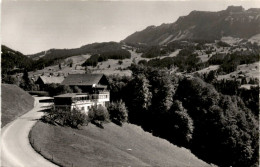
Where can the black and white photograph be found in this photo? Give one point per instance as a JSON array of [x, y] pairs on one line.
[[130, 83]]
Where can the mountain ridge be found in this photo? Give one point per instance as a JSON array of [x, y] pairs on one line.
[[235, 21]]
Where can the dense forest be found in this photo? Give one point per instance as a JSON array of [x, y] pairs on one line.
[[95, 48], [190, 112], [13, 61]]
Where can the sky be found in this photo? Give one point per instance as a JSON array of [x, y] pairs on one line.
[[34, 26]]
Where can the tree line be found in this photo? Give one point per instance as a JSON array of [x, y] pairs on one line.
[[104, 56], [189, 112]]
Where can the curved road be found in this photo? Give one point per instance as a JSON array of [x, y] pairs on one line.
[[16, 150]]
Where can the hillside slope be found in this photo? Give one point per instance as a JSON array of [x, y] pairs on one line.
[[235, 21], [12, 60], [94, 48], [112, 146], [15, 102]]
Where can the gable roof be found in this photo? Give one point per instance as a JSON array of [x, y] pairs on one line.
[[68, 95], [52, 79], [82, 79]]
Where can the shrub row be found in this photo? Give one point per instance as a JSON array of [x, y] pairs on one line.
[[97, 115]]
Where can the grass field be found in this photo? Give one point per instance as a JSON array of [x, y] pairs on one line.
[[15, 102], [112, 146], [250, 70]]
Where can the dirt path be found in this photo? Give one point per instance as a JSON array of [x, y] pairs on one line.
[[16, 150]]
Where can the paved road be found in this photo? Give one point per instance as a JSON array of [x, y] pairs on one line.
[[16, 150]]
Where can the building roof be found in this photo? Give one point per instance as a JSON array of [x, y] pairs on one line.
[[67, 95], [82, 79], [51, 79]]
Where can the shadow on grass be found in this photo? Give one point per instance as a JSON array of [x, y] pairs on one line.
[[44, 110], [98, 124], [50, 100]]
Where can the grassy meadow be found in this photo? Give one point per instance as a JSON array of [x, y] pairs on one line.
[[128, 145]]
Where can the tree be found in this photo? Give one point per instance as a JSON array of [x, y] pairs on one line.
[[76, 89], [182, 123], [98, 115], [9, 79], [26, 83], [120, 62], [118, 112], [210, 77], [141, 98], [65, 117], [142, 93], [118, 86], [70, 62], [56, 89], [162, 90]]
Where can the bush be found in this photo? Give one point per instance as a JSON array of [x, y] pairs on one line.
[[98, 115], [57, 89], [76, 89], [120, 62], [223, 44], [65, 117], [143, 62], [118, 112]]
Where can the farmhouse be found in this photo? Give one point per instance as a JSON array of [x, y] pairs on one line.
[[94, 88], [88, 83]]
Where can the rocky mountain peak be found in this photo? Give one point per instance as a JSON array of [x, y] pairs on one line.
[[235, 21], [235, 9]]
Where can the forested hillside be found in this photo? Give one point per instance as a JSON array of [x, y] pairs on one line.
[[13, 61], [95, 48], [189, 112]]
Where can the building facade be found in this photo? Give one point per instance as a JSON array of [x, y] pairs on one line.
[[81, 101], [94, 92]]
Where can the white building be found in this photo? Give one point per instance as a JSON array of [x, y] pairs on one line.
[[81, 101]]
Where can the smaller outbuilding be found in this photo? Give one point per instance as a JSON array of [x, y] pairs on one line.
[[42, 81]]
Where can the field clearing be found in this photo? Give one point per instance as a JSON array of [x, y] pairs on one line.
[[15, 102], [204, 57], [250, 70], [208, 69], [112, 146], [231, 40], [173, 54], [255, 38]]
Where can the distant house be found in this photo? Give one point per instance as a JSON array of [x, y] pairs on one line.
[[87, 82], [42, 81]]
